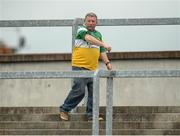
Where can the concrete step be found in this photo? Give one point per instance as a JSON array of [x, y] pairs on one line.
[[88, 132], [116, 109], [87, 125], [41, 117], [137, 109], [175, 117], [28, 110], [127, 120]]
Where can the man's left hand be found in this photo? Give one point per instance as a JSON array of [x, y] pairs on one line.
[[109, 66]]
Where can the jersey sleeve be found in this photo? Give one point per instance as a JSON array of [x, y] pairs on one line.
[[102, 49], [81, 32]]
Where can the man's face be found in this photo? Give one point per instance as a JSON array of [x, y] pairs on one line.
[[90, 23]]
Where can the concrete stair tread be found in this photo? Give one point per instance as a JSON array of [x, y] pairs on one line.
[[138, 109], [82, 117], [87, 125], [117, 109], [127, 120], [88, 132]]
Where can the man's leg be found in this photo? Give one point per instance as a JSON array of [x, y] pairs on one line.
[[90, 98], [75, 95]]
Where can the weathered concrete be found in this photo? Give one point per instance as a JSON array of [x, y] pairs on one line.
[[127, 120], [82, 109], [52, 92], [86, 125], [119, 117], [152, 132]]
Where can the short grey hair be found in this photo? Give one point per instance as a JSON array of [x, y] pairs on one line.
[[90, 14]]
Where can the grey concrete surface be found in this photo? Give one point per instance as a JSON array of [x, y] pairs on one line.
[[145, 120], [127, 92]]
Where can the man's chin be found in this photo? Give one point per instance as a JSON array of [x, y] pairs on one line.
[[91, 29]]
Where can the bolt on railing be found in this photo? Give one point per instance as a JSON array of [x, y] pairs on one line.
[[96, 77]]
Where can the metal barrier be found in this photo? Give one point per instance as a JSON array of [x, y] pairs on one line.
[[79, 21], [96, 76], [101, 22]]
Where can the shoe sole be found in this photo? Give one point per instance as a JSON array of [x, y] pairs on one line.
[[99, 120], [65, 119]]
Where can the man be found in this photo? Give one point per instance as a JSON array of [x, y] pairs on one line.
[[86, 52]]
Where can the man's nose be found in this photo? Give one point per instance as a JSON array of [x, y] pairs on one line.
[[91, 22]]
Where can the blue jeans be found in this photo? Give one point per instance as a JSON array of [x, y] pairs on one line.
[[77, 93]]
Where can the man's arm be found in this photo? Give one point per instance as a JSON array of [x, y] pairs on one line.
[[104, 57], [93, 40]]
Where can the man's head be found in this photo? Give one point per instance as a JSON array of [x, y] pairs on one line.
[[90, 21]]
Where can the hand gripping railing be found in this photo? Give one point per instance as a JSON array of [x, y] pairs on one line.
[[96, 77]]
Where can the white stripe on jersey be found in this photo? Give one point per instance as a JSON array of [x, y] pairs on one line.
[[83, 44]]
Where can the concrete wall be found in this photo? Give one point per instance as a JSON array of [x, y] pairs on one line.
[[52, 92]]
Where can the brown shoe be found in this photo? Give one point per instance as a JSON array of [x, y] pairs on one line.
[[100, 118], [64, 116]]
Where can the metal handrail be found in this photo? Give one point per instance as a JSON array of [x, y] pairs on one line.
[[101, 22], [98, 74], [96, 77]]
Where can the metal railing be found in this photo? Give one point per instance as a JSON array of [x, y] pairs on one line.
[[101, 22], [98, 74], [79, 21], [96, 77]]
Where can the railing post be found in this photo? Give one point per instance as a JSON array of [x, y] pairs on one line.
[[109, 108], [95, 130], [74, 31]]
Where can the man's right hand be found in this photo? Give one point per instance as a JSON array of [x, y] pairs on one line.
[[107, 47]]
